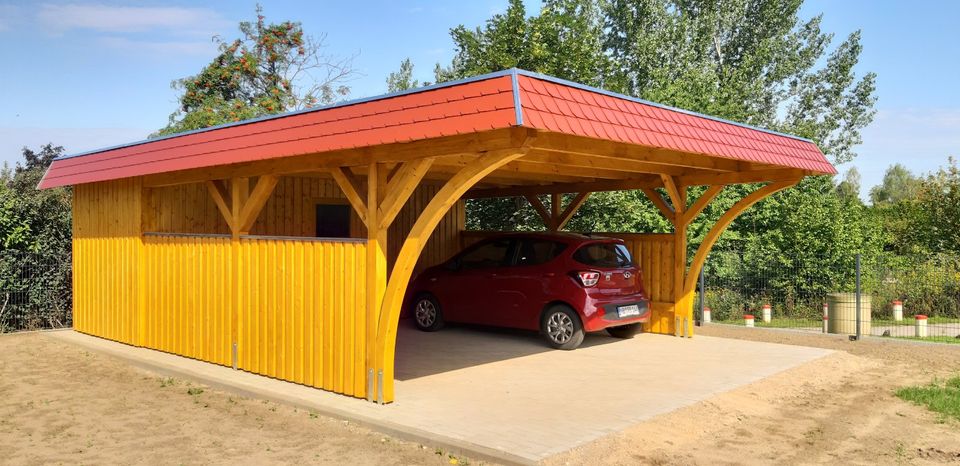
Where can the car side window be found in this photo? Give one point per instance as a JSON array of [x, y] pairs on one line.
[[538, 251], [492, 254]]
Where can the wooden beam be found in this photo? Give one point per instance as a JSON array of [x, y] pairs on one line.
[[608, 163], [255, 202], [473, 143], [219, 194], [239, 192], [673, 189], [416, 240], [640, 182], [351, 190], [571, 209], [541, 210], [657, 200], [689, 283], [755, 176], [618, 150], [400, 188], [700, 204]]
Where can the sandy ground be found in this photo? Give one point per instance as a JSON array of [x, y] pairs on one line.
[[837, 410], [60, 404]]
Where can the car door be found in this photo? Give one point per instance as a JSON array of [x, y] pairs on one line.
[[524, 287], [469, 291]]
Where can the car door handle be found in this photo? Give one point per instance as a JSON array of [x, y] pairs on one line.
[[492, 275], [549, 274]]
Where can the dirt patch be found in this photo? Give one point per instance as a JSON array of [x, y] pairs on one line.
[[63, 404], [838, 409]]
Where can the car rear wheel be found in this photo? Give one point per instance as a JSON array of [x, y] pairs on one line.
[[625, 331], [561, 327], [426, 313]]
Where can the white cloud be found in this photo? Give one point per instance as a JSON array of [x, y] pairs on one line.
[[59, 18]]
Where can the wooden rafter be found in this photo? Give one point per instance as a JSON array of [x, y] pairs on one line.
[[255, 202], [639, 182], [218, 191]]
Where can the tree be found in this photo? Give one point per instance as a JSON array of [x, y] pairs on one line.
[[752, 61], [898, 184], [402, 79], [849, 188], [271, 68], [939, 202]]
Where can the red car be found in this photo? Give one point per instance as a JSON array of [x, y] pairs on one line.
[[561, 284]]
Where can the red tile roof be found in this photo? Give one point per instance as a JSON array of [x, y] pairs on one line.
[[498, 100]]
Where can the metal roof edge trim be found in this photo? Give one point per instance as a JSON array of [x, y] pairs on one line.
[[544, 77], [516, 96], [509, 72]]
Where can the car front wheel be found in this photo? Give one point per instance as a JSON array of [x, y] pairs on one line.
[[561, 327], [426, 313]]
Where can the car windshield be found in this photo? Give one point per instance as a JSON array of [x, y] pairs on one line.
[[603, 255]]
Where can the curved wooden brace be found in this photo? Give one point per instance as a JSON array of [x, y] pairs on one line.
[[416, 239], [690, 282]]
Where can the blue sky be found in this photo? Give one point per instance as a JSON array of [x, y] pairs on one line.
[[88, 74]]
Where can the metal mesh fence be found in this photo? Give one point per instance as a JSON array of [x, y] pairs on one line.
[[35, 291], [905, 297]]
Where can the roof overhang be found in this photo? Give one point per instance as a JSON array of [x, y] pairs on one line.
[[600, 136]]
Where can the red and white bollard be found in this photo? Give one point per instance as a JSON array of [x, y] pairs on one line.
[[898, 311], [748, 320], [766, 313], [826, 318], [706, 315], [921, 325]]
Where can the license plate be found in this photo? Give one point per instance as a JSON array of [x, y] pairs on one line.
[[627, 311]]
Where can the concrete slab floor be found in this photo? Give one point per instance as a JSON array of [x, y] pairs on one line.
[[503, 395]]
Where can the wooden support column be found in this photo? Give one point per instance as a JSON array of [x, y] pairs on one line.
[[240, 208], [438, 206], [376, 268], [387, 190], [556, 218]]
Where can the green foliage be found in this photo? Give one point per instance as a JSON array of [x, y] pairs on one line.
[[270, 69], [752, 61], [898, 185], [35, 245], [402, 79], [939, 209]]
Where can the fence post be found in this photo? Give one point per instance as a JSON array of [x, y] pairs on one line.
[[858, 296], [703, 290]]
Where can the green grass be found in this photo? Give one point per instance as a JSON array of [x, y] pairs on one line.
[[909, 320], [940, 396], [775, 323], [940, 339]]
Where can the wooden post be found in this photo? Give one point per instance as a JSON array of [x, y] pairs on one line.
[[376, 270], [446, 197]]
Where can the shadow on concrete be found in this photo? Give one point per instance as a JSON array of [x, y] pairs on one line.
[[460, 346]]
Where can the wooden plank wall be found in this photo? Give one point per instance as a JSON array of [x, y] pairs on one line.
[[652, 252], [291, 211], [106, 257], [303, 312], [189, 305]]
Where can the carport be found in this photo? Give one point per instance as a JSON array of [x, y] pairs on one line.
[[234, 245]]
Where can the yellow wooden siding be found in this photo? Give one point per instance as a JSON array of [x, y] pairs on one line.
[[188, 290], [291, 211], [106, 255], [302, 313]]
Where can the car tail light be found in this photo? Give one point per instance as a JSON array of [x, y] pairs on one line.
[[588, 278]]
